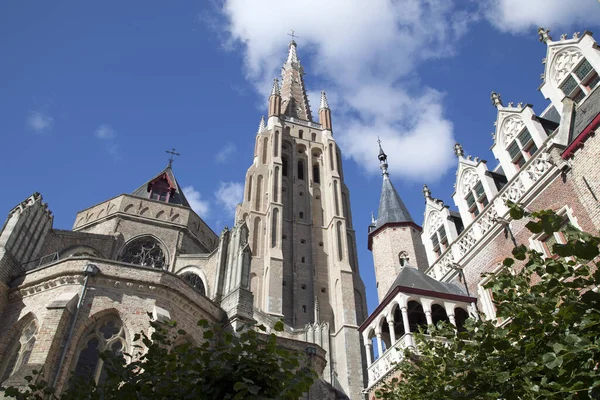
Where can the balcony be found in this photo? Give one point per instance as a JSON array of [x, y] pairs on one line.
[[385, 363]]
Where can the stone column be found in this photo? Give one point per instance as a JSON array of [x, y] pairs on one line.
[[428, 316], [368, 352], [452, 320], [390, 321], [405, 319], [379, 345]]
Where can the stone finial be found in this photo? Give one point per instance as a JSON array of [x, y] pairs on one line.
[[324, 102], [496, 99], [373, 217], [275, 89], [511, 104], [543, 34], [576, 35], [458, 150], [563, 36], [520, 104], [426, 191], [261, 125]]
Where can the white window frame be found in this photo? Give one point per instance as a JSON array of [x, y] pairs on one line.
[[582, 84]]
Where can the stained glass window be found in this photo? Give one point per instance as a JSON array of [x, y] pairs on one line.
[[569, 86], [145, 252], [524, 137], [195, 281], [514, 150]]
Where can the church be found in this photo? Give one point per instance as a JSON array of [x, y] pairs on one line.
[[291, 252]]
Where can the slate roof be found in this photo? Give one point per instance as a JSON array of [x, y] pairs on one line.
[[391, 206], [177, 197], [413, 278]]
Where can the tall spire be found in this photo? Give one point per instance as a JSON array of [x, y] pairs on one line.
[[324, 112], [324, 102], [391, 206], [293, 93]]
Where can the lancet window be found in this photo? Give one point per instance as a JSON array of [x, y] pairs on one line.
[[21, 351], [144, 251], [107, 334], [439, 241]]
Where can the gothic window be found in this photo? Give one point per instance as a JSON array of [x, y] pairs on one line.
[[476, 199], [276, 185], [276, 145], [331, 156], [259, 194], [521, 148], [256, 235], [301, 170], [316, 173], [249, 194], [338, 229], [264, 150], [144, 251], [19, 354], [274, 227], [580, 81], [314, 137], [301, 134], [336, 198], [107, 334], [194, 281], [284, 166], [439, 241]]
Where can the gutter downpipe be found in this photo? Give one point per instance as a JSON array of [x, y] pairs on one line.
[[88, 270]]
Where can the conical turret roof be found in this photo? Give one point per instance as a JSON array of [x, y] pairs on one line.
[[391, 206]]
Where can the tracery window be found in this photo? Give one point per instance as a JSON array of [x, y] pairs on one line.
[[144, 251], [521, 148], [476, 199], [107, 334], [580, 81], [21, 351], [195, 281]]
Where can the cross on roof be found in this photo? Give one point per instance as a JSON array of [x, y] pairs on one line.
[[292, 34], [172, 153]]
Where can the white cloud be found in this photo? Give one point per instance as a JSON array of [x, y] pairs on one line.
[[519, 15], [229, 195], [369, 70], [39, 122], [226, 152], [108, 135], [105, 132], [201, 207]]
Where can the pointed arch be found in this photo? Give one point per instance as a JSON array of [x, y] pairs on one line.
[[338, 232], [249, 188], [20, 347], [336, 199], [256, 236], [146, 251], [276, 144], [276, 184], [258, 194], [274, 225], [265, 150]]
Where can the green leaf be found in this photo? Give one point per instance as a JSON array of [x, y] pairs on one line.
[[278, 327], [503, 376]]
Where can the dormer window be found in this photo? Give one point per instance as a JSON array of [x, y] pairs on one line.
[[476, 199], [580, 81], [521, 148], [439, 240]]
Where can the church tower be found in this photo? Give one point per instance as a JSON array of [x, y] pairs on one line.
[[296, 205], [394, 238]]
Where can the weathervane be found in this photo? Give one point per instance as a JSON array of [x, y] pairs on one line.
[[172, 153]]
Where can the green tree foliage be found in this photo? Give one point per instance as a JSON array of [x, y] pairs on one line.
[[244, 365], [547, 346]]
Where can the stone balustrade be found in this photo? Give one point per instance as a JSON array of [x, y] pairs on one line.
[[385, 363]]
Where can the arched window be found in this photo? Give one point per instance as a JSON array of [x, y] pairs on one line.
[[258, 195], [301, 170], [144, 251], [301, 134], [264, 150], [460, 316], [403, 258], [276, 184], [276, 144], [106, 334], [195, 281], [438, 313], [416, 316], [338, 229], [314, 137], [336, 198], [284, 166], [19, 354], [274, 227], [249, 194], [316, 173], [256, 236], [331, 156]]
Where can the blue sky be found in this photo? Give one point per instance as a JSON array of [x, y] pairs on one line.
[[93, 93]]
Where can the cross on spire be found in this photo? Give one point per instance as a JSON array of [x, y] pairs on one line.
[[172, 153], [292, 34]]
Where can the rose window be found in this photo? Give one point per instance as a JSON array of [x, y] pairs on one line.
[[145, 252]]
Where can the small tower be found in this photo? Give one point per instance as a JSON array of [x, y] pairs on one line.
[[324, 113], [395, 239]]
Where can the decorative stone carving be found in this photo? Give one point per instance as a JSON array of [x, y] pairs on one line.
[[515, 191], [488, 219], [466, 242], [511, 127], [469, 180], [538, 168], [563, 64], [435, 221]]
